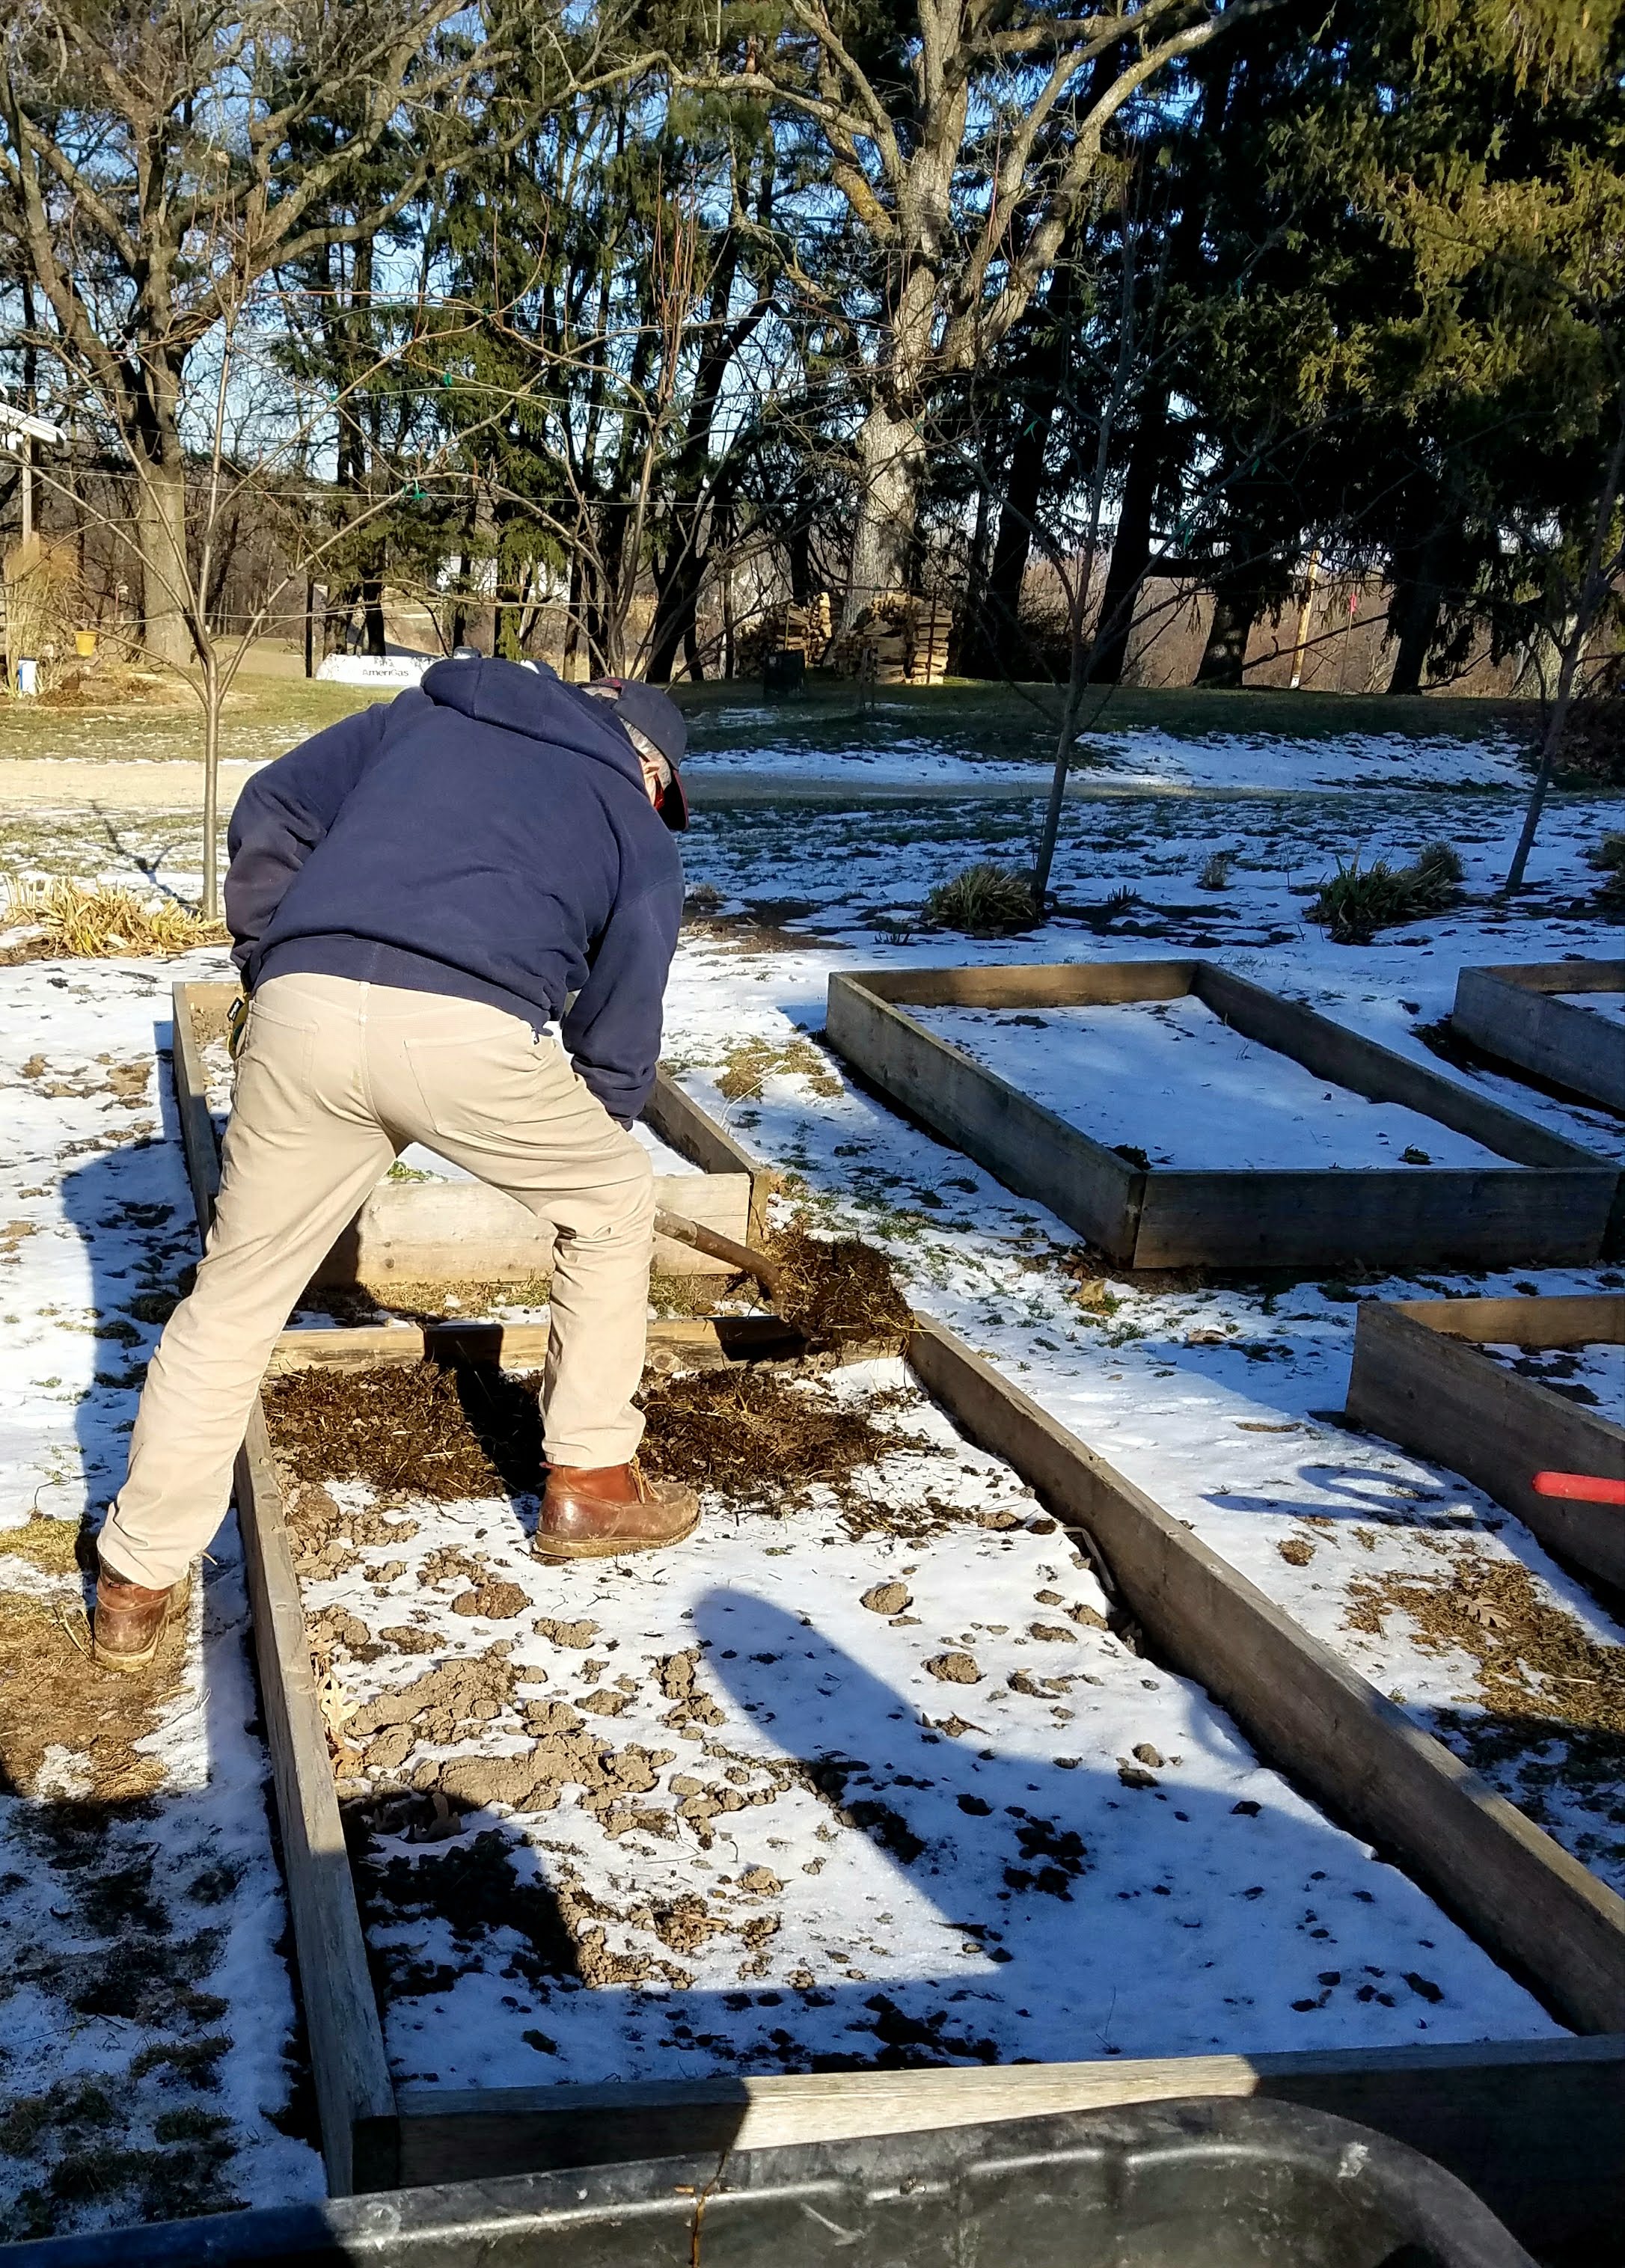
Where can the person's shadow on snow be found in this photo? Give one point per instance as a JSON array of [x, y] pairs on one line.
[[1120, 1917]]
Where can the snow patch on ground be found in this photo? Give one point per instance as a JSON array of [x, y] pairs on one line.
[[1063, 1851], [1173, 1080]]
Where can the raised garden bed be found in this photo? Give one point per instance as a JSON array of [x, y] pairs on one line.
[[1530, 1196], [1529, 1905], [446, 1228], [1563, 1019], [1420, 1377]]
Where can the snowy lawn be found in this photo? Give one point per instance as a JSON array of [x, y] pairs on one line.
[[1212, 1394], [146, 2039]]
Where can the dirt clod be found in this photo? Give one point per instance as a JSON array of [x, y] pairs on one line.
[[887, 1598], [955, 1669], [495, 1602], [579, 1635]]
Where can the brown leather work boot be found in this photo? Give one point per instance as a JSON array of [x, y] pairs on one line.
[[597, 1511], [130, 1622]]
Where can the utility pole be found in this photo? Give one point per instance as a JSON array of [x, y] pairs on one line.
[[1304, 613]]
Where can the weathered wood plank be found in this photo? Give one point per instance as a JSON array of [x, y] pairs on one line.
[[1567, 1318], [461, 1232], [1415, 1381], [521, 1346], [355, 2099], [1043, 984], [1523, 1897], [1473, 1216], [1552, 1204], [1030, 1149], [1533, 2127], [1512, 1012], [690, 1129]]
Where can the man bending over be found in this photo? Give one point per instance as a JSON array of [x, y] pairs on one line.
[[416, 894]]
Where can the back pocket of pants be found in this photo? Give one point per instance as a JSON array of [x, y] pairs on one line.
[[485, 1090]]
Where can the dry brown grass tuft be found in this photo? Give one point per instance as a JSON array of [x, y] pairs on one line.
[[99, 925], [53, 1545], [55, 1698], [750, 1062]]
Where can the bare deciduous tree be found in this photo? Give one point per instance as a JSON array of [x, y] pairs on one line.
[[157, 162], [962, 142]]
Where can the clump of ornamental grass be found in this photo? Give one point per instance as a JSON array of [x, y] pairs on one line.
[[1355, 901], [1608, 859], [983, 901], [95, 923]]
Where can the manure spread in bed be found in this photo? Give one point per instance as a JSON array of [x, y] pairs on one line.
[[467, 1431], [449, 1431], [840, 1290], [1552, 1696], [750, 1435]]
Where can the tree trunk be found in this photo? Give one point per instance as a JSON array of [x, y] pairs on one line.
[[674, 609], [1130, 545], [1236, 608], [1413, 612], [999, 648], [160, 539], [891, 460], [372, 616]]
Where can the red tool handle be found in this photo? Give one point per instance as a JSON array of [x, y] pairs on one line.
[[1580, 1488]]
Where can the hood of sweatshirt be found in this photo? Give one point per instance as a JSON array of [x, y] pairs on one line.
[[537, 703]]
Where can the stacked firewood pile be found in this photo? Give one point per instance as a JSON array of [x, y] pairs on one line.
[[896, 640], [785, 629]]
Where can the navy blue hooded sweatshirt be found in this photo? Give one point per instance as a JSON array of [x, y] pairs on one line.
[[488, 836]]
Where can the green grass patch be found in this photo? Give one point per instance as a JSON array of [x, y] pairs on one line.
[[1006, 722], [263, 716]]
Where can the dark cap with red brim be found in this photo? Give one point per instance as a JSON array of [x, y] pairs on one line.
[[658, 717]]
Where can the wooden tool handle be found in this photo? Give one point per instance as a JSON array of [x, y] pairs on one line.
[[710, 1242]]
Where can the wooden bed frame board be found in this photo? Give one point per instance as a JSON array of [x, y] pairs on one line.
[[1551, 1205], [1513, 1012], [1416, 1382], [1533, 2127], [462, 1232], [1526, 1901]]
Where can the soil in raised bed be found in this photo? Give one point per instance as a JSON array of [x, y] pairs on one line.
[[860, 1775]]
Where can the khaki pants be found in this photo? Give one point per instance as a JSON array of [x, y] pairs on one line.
[[336, 1077]]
